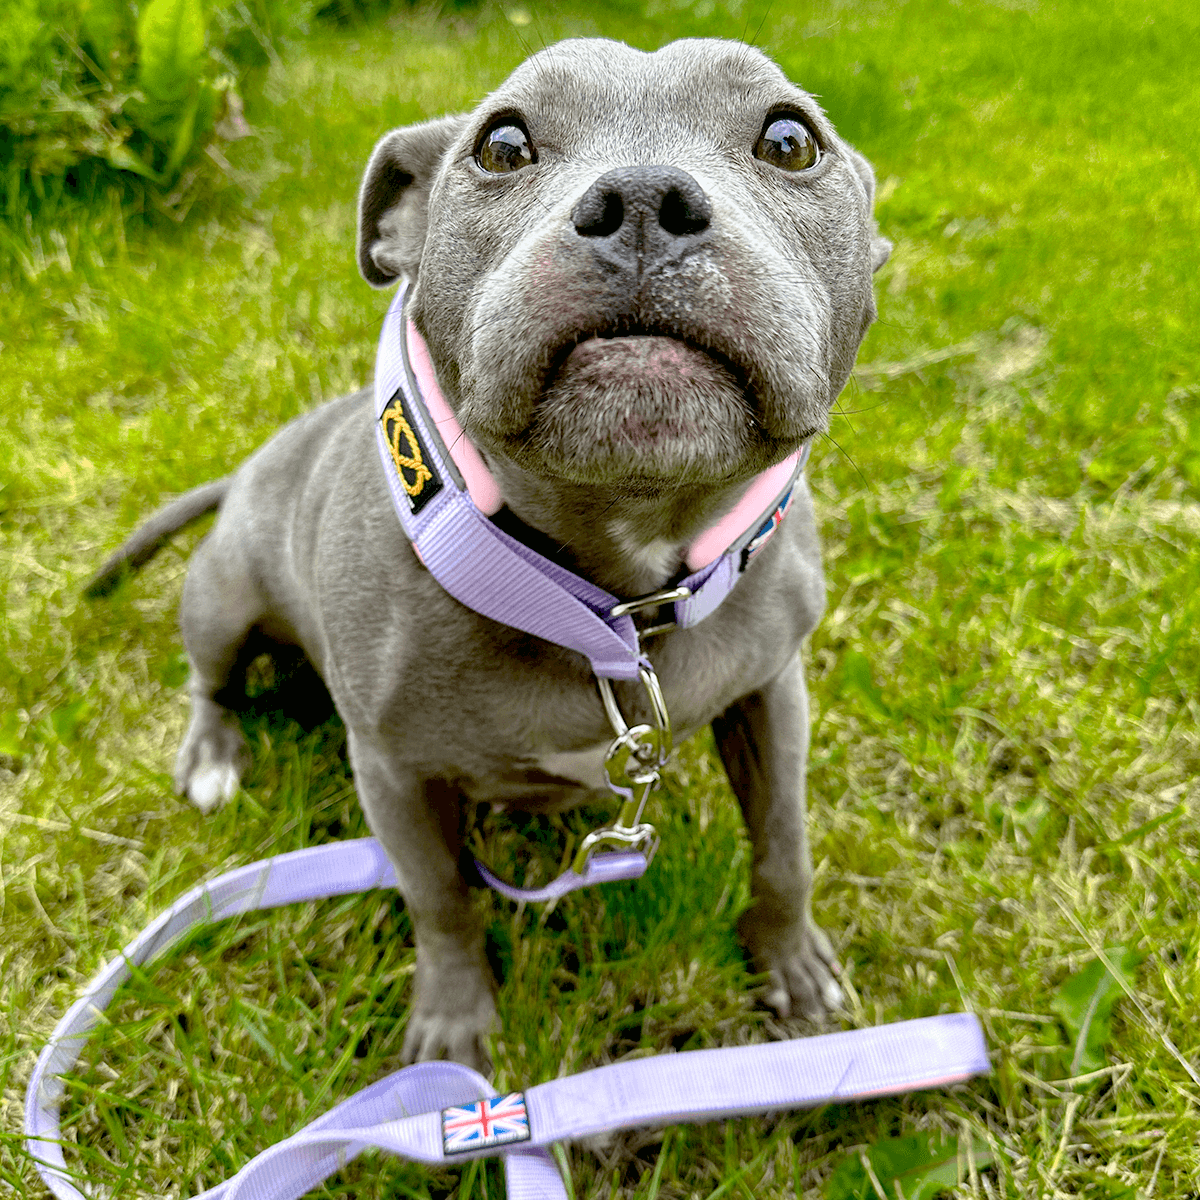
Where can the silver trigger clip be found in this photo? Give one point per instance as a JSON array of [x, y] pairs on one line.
[[632, 765]]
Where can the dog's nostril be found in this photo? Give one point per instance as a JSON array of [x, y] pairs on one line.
[[679, 217], [599, 214]]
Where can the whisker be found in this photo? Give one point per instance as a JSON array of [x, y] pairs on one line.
[[846, 456]]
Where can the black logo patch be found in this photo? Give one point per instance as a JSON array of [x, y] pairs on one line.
[[418, 475]]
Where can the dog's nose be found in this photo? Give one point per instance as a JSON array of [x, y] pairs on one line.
[[643, 215]]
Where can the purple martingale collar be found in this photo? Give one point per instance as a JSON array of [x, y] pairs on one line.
[[444, 496], [444, 499]]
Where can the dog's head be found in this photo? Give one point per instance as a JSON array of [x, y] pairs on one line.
[[632, 270]]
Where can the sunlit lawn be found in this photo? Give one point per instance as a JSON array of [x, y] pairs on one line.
[[1005, 731]]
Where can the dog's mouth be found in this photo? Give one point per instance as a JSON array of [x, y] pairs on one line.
[[632, 403], [629, 355]]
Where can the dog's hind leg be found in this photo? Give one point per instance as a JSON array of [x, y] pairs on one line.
[[220, 607]]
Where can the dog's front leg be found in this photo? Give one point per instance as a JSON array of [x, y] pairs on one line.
[[763, 741], [415, 819]]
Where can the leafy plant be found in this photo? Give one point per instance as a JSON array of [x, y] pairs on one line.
[[1084, 1003], [917, 1167], [170, 36], [87, 86]]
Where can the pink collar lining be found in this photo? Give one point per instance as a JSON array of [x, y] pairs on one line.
[[484, 491]]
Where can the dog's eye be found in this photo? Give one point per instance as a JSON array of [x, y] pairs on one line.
[[505, 148], [789, 144]]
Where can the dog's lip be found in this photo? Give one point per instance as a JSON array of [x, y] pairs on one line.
[[634, 331]]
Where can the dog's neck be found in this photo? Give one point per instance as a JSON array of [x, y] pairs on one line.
[[628, 545]]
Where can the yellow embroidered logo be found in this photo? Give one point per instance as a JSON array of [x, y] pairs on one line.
[[417, 477]]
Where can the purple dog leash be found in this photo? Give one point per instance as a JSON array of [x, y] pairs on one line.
[[444, 495], [443, 1113]]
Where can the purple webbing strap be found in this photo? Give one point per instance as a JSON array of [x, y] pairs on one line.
[[312, 874], [401, 1113], [607, 867]]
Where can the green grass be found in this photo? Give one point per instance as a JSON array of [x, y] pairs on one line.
[[1005, 732]]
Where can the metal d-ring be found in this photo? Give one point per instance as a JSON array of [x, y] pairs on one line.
[[652, 600]]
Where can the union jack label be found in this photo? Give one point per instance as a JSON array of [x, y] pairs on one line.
[[492, 1122], [763, 536]]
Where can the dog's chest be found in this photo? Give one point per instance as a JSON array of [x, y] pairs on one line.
[[548, 782], [584, 767]]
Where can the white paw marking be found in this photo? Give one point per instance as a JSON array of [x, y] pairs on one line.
[[833, 997], [212, 785]]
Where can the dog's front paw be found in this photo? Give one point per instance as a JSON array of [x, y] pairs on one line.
[[801, 964], [451, 1022]]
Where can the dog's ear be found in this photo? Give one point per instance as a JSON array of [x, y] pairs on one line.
[[881, 248], [394, 200]]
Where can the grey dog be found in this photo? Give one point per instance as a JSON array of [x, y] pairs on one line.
[[643, 279]]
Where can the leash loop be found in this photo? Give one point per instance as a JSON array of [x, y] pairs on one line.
[[418, 1112]]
